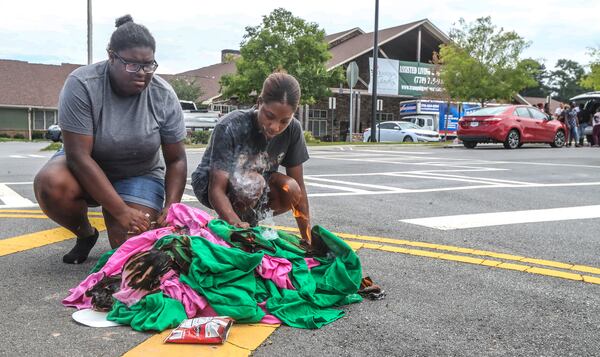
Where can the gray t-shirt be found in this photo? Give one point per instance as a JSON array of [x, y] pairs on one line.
[[127, 131], [237, 145]]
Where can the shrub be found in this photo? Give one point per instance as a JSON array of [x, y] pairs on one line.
[[201, 136], [309, 138], [18, 136], [4, 135], [37, 135]]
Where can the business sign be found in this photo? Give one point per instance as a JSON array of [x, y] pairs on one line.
[[387, 76], [404, 78], [416, 79]]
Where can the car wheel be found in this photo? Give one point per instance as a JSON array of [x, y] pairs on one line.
[[408, 139], [470, 144], [559, 139], [512, 139]]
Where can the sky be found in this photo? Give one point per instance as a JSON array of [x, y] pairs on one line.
[[191, 34]]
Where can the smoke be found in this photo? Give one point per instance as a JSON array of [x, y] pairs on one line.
[[249, 184]]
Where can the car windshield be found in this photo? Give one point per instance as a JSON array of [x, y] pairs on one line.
[[407, 125], [488, 111]]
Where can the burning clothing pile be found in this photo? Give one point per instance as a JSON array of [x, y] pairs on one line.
[[202, 267]]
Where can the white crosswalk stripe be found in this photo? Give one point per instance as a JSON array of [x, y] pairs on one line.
[[464, 221]]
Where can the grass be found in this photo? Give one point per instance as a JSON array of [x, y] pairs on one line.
[[52, 147]]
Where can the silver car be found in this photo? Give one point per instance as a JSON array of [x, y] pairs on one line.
[[200, 120], [401, 131]]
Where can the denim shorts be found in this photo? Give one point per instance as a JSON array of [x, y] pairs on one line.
[[144, 190]]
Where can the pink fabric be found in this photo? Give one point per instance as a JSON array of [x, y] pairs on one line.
[[311, 262], [181, 215], [193, 303], [195, 220], [114, 265], [276, 269]]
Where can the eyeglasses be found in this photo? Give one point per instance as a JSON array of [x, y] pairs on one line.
[[133, 67]]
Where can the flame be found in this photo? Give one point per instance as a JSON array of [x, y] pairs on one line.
[[297, 214]]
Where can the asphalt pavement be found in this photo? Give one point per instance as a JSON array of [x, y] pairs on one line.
[[513, 272]]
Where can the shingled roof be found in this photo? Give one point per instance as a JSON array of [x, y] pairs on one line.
[[31, 84], [208, 78], [359, 45]]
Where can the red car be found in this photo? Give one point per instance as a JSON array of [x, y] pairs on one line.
[[512, 125]]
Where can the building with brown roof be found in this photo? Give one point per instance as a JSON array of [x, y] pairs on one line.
[[415, 41], [29, 94]]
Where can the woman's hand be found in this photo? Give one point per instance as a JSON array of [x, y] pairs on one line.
[[162, 217], [244, 225], [134, 220]]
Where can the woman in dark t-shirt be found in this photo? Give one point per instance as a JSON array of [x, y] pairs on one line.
[[238, 175]]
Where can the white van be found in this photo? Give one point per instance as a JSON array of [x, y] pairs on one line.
[[424, 121]]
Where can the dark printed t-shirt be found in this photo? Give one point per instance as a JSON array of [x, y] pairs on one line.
[[127, 131], [237, 145]]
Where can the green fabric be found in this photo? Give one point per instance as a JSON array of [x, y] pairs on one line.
[[102, 261], [333, 283], [154, 312], [225, 277]]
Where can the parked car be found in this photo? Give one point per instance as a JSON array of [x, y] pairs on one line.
[[53, 133], [200, 120], [512, 125], [401, 131]]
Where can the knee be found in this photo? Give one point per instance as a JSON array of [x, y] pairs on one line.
[[50, 186], [247, 189], [291, 189]]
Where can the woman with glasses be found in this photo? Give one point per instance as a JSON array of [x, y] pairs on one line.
[[116, 117]]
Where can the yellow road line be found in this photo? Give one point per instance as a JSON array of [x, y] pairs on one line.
[[243, 339], [42, 238], [37, 211], [472, 260]]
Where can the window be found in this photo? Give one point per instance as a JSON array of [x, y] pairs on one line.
[[38, 120], [384, 117], [488, 111], [522, 112], [223, 108], [536, 114], [388, 125], [317, 127], [317, 114], [50, 118]]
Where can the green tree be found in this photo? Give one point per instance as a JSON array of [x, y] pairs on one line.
[[592, 79], [566, 79], [186, 89], [541, 77], [282, 42], [483, 63]]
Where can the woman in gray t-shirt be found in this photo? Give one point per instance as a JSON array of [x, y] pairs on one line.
[[115, 118]]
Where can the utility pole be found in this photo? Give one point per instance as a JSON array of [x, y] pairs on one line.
[[374, 84], [89, 32]]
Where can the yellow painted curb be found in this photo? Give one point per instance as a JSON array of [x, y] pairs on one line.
[[243, 339]]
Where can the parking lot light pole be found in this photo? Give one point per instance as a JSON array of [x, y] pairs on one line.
[[374, 84]]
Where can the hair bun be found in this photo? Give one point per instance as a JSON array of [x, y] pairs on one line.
[[123, 20]]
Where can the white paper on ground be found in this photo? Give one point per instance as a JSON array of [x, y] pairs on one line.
[[93, 318]]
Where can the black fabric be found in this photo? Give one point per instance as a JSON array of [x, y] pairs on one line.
[[237, 145]]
